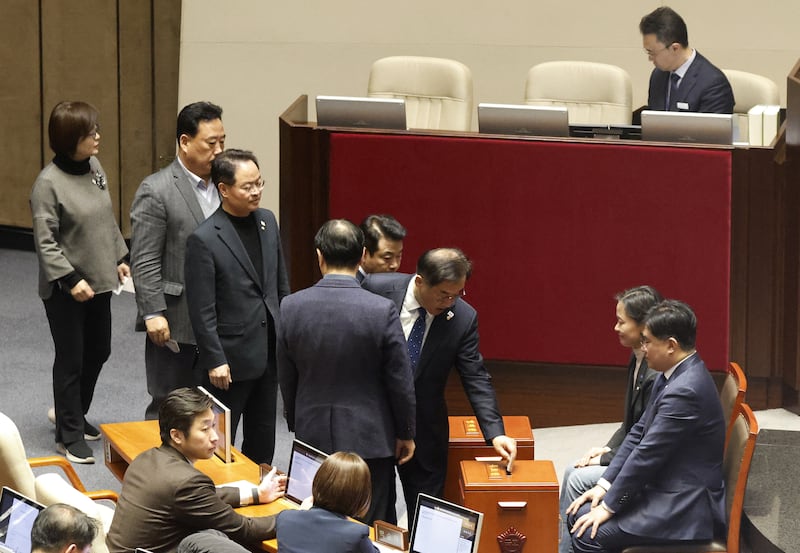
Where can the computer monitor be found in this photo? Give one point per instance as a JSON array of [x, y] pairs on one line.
[[369, 113], [696, 128], [17, 514], [303, 465], [523, 120], [223, 418], [444, 527]]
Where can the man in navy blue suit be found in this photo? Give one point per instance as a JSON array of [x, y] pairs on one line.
[[665, 484], [343, 367], [683, 80], [447, 336]]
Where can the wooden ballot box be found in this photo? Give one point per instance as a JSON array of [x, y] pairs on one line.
[[518, 509], [466, 442]]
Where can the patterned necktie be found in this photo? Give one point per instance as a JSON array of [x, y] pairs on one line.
[[672, 92], [415, 338]]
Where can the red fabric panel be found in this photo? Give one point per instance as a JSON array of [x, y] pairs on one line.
[[554, 231]]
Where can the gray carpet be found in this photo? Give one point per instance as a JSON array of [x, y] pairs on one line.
[[26, 356]]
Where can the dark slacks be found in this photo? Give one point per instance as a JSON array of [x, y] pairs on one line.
[[255, 402], [82, 338], [417, 479], [384, 491], [167, 371]]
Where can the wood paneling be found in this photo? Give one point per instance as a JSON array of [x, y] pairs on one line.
[[21, 139]]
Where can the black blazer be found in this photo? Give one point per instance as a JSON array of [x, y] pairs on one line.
[[228, 303], [636, 398], [704, 88], [452, 341]]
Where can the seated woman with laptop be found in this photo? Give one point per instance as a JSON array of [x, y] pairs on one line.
[[341, 489]]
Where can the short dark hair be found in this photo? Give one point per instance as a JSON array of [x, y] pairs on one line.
[[58, 526], [667, 25], [342, 485], [223, 168], [190, 117], [638, 301], [673, 319], [444, 265], [340, 242], [69, 123], [179, 411], [376, 227]]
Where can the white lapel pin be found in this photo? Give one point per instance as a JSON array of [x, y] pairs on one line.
[[450, 315], [263, 225]]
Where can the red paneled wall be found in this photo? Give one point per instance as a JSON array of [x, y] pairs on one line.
[[554, 231]]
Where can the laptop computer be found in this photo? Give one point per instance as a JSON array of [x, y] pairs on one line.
[[697, 128], [444, 527], [368, 113], [17, 514], [303, 464], [523, 120]]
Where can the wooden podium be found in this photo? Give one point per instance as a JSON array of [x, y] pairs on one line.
[[467, 442], [520, 510]]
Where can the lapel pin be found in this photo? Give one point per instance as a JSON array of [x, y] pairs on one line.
[[450, 315], [263, 224]]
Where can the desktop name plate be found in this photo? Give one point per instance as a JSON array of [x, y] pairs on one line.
[[391, 535]]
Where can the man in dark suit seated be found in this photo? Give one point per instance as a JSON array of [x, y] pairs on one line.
[[683, 80], [665, 484], [344, 370], [383, 245], [168, 505], [442, 332]]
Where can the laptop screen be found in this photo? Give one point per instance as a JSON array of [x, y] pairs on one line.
[[351, 111], [17, 514], [303, 465], [443, 527], [523, 119]]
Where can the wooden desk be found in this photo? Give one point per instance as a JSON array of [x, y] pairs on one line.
[[123, 441]]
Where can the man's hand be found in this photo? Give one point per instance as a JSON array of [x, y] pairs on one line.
[[220, 376], [82, 292], [594, 518], [157, 330], [592, 457], [506, 447], [123, 272], [404, 450], [272, 487], [595, 495]]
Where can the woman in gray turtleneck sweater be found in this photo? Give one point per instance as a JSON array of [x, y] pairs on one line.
[[81, 261]]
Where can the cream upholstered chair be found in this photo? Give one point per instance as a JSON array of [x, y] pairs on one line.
[[750, 90], [594, 93], [16, 471], [437, 91]]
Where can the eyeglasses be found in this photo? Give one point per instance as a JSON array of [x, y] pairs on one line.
[[250, 187], [654, 53], [95, 131], [444, 296]]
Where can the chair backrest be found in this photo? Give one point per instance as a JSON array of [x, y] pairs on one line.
[[437, 91], [732, 393], [750, 90], [736, 467], [15, 472], [594, 93], [52, 488]]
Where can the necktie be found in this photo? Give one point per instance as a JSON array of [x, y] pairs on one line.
[[659, 386], [415, 338], [672, 92]]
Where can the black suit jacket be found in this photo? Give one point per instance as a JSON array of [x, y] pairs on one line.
[[704, 88], [229, 306], [636, 399], [343, 369], [452, 341]]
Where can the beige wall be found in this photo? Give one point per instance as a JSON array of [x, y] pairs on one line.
[[254, 57]]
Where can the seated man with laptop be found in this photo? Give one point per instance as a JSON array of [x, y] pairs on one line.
[[62, 528], [167, 505]]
